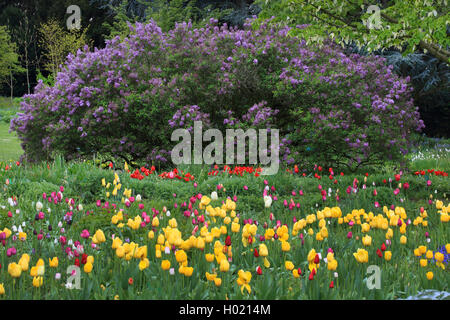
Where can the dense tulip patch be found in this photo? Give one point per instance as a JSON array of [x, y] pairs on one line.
[[217, 246]]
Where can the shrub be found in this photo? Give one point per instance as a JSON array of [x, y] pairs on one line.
[[123, 99]]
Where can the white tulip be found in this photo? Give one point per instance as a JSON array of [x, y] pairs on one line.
[[267, 201], [39, 206], [214, 195]]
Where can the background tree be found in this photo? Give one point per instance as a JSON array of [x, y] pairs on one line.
[[403, 24], [413, 36], [58, 43], [9, 59]]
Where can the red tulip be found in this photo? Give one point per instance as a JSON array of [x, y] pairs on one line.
[[316, 259], [228, 241], [256, 253], [383, 247], [258, 270], [331, 284], [379, 253]]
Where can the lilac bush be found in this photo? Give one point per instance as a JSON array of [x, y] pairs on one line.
[[127, 98]]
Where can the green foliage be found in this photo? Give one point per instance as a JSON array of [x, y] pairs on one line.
[[58, 43], [165, 13], [401, 24]]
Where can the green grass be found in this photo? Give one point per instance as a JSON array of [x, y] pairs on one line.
[[10, 148]]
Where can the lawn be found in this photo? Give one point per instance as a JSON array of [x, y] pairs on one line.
[[10, 149]]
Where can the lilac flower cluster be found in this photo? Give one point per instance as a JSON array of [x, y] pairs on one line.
[[127, 97], [185, 117]]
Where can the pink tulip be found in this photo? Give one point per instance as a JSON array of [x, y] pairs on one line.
[[349, 235]]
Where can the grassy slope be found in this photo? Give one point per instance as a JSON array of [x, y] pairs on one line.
[[9, 143]]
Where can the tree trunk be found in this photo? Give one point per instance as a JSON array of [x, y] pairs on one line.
[[11, 85], [26, 66]]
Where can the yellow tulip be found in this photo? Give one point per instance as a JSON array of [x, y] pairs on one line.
[[143, 264], [403, 240], [429, 254], [311, 255], [151, 235], [53, 262], [362, 256], [423, 262], [7, 232], [209, 257], [24, 262], [99, 237], [165, 264], [288, 265], [285, 246], [263, 251], [180, 256], [120, 252], [224, 265], [200, 244], [173, 223], [33, 271], [188, 271], [430, 275], [235, 227], [2, 289], [266, 263], [22, 236], [117, 242], [439, 256], [387, 255], [210, 277], [389, 234], [14, 269], [161, 239], [88, 267], [367, 240], [217, 282], [37, 281], [332, 265]]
